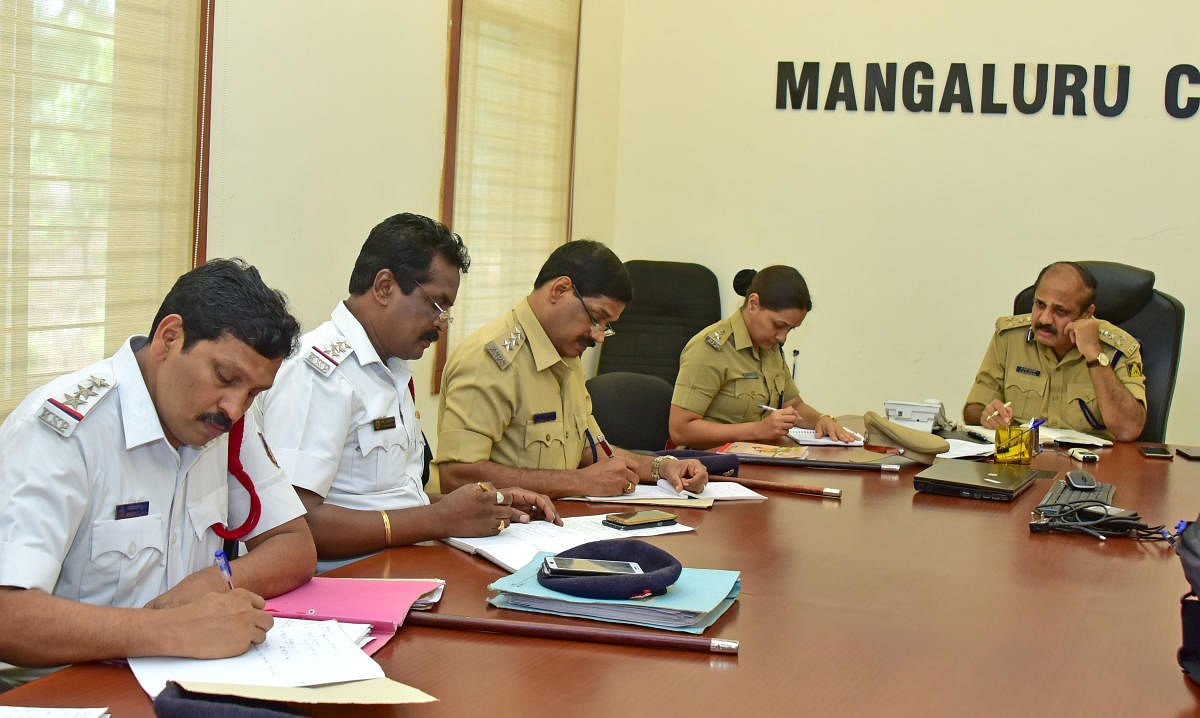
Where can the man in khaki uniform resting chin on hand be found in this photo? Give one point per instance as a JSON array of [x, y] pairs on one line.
[[1062, 363], [514, 408]]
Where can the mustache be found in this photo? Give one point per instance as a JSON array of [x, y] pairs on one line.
[[220, 418], [429, 336], [1048, 327]]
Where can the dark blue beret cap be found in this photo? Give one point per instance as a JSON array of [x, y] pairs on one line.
[[659, 570], [717, 464]]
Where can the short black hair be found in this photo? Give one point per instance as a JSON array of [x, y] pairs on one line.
[[404, 244], [1085, 276], [593, 268], [778, 287], [228, 295]]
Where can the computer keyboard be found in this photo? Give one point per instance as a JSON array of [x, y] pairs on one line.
[[1063, 493]]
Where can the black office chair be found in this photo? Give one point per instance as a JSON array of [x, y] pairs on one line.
[[672, 302], [632, 409], [1126, 297]]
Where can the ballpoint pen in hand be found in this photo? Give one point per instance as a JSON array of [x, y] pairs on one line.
[[223, 565]]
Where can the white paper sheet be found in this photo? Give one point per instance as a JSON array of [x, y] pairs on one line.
[[296, 653]]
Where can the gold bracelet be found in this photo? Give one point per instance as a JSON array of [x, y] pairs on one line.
[[831, 418], [656, 465], [387, 528]]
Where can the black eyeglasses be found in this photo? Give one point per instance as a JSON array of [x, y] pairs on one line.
[[605, 328]]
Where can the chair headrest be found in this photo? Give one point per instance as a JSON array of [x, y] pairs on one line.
[[1121, 290]]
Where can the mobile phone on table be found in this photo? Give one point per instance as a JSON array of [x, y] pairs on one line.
[[1156, 452], [639, 519], [558, 566], [1188, 452]]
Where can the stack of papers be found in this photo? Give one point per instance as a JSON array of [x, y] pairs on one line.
[[382, 603], [692, 604], [519, 543], [1047, 435], [296, 653], [663, 495], [808, 437], [24, 712]]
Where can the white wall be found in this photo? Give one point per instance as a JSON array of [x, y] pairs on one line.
[[914, 231], [326, 118]]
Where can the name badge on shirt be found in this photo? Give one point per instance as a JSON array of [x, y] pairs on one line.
[[133, 510], [544, 417], [750, 375], [1027, 370], [384, 423]]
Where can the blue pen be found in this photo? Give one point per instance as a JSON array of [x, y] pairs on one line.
[[223, 564], [1036, 424], [591, 442]]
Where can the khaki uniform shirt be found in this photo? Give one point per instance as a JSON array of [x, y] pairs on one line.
[[723, 377], [1017, 368], [508, 397]]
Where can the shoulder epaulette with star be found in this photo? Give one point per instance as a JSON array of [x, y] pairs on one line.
[[717, 338], [1020, 321], [64, 414], [1118, 338], [325, 358], [504, 347]]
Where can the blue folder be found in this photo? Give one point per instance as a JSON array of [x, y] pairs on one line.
[[692, 604]]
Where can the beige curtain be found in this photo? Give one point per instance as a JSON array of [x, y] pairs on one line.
[[97, 141], [515, 124]]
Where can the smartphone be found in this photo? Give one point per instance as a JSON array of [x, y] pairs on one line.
[[639, 519], [1156, 452], [556, 566], [1188, 452]]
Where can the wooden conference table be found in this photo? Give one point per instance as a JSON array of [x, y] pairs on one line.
[[885, 603]]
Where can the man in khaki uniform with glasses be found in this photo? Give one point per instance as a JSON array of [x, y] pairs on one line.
[[514, 408]]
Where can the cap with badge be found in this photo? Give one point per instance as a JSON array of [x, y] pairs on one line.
[[917, 446]]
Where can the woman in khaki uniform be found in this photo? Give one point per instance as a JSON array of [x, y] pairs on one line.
[[732, 368]]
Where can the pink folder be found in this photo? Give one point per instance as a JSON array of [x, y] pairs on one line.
[[381, 602]]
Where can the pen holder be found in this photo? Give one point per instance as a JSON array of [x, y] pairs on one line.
[[1016, 444]]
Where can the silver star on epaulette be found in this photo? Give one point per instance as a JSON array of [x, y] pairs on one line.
[[98, 382], [338, 347], [513, 338], [73, 400], [85, 392]]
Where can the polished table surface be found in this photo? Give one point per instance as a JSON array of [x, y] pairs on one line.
[[888, 602]]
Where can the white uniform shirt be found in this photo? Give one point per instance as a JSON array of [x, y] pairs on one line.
[[342, 422], [60, 495]]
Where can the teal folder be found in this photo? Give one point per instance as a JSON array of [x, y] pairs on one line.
[[692, 604]]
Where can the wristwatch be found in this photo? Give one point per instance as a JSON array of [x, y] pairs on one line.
[[656, 464], [1100, 360]]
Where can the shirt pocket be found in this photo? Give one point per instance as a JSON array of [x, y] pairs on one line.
[[1079, 395], [746, 394], [545, 445], [211, 508], [382, 457], [1025, 391], [127, 555]]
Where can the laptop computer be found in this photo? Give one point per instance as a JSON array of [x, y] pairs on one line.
[[973, 480]]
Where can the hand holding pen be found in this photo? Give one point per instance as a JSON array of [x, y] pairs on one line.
[[774, 424]]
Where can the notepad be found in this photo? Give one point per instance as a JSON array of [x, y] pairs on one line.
[[662, 491], [808, 437], [1047, 435], [691, 604], [519, 543]]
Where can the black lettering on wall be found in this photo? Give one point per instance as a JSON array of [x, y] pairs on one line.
[[1039, 88], [957, 90], [881, 87], [918, 98], [1118, 105], [988, 105], [1171, 98], [841, 88], [1068, 82], [787, 86]]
